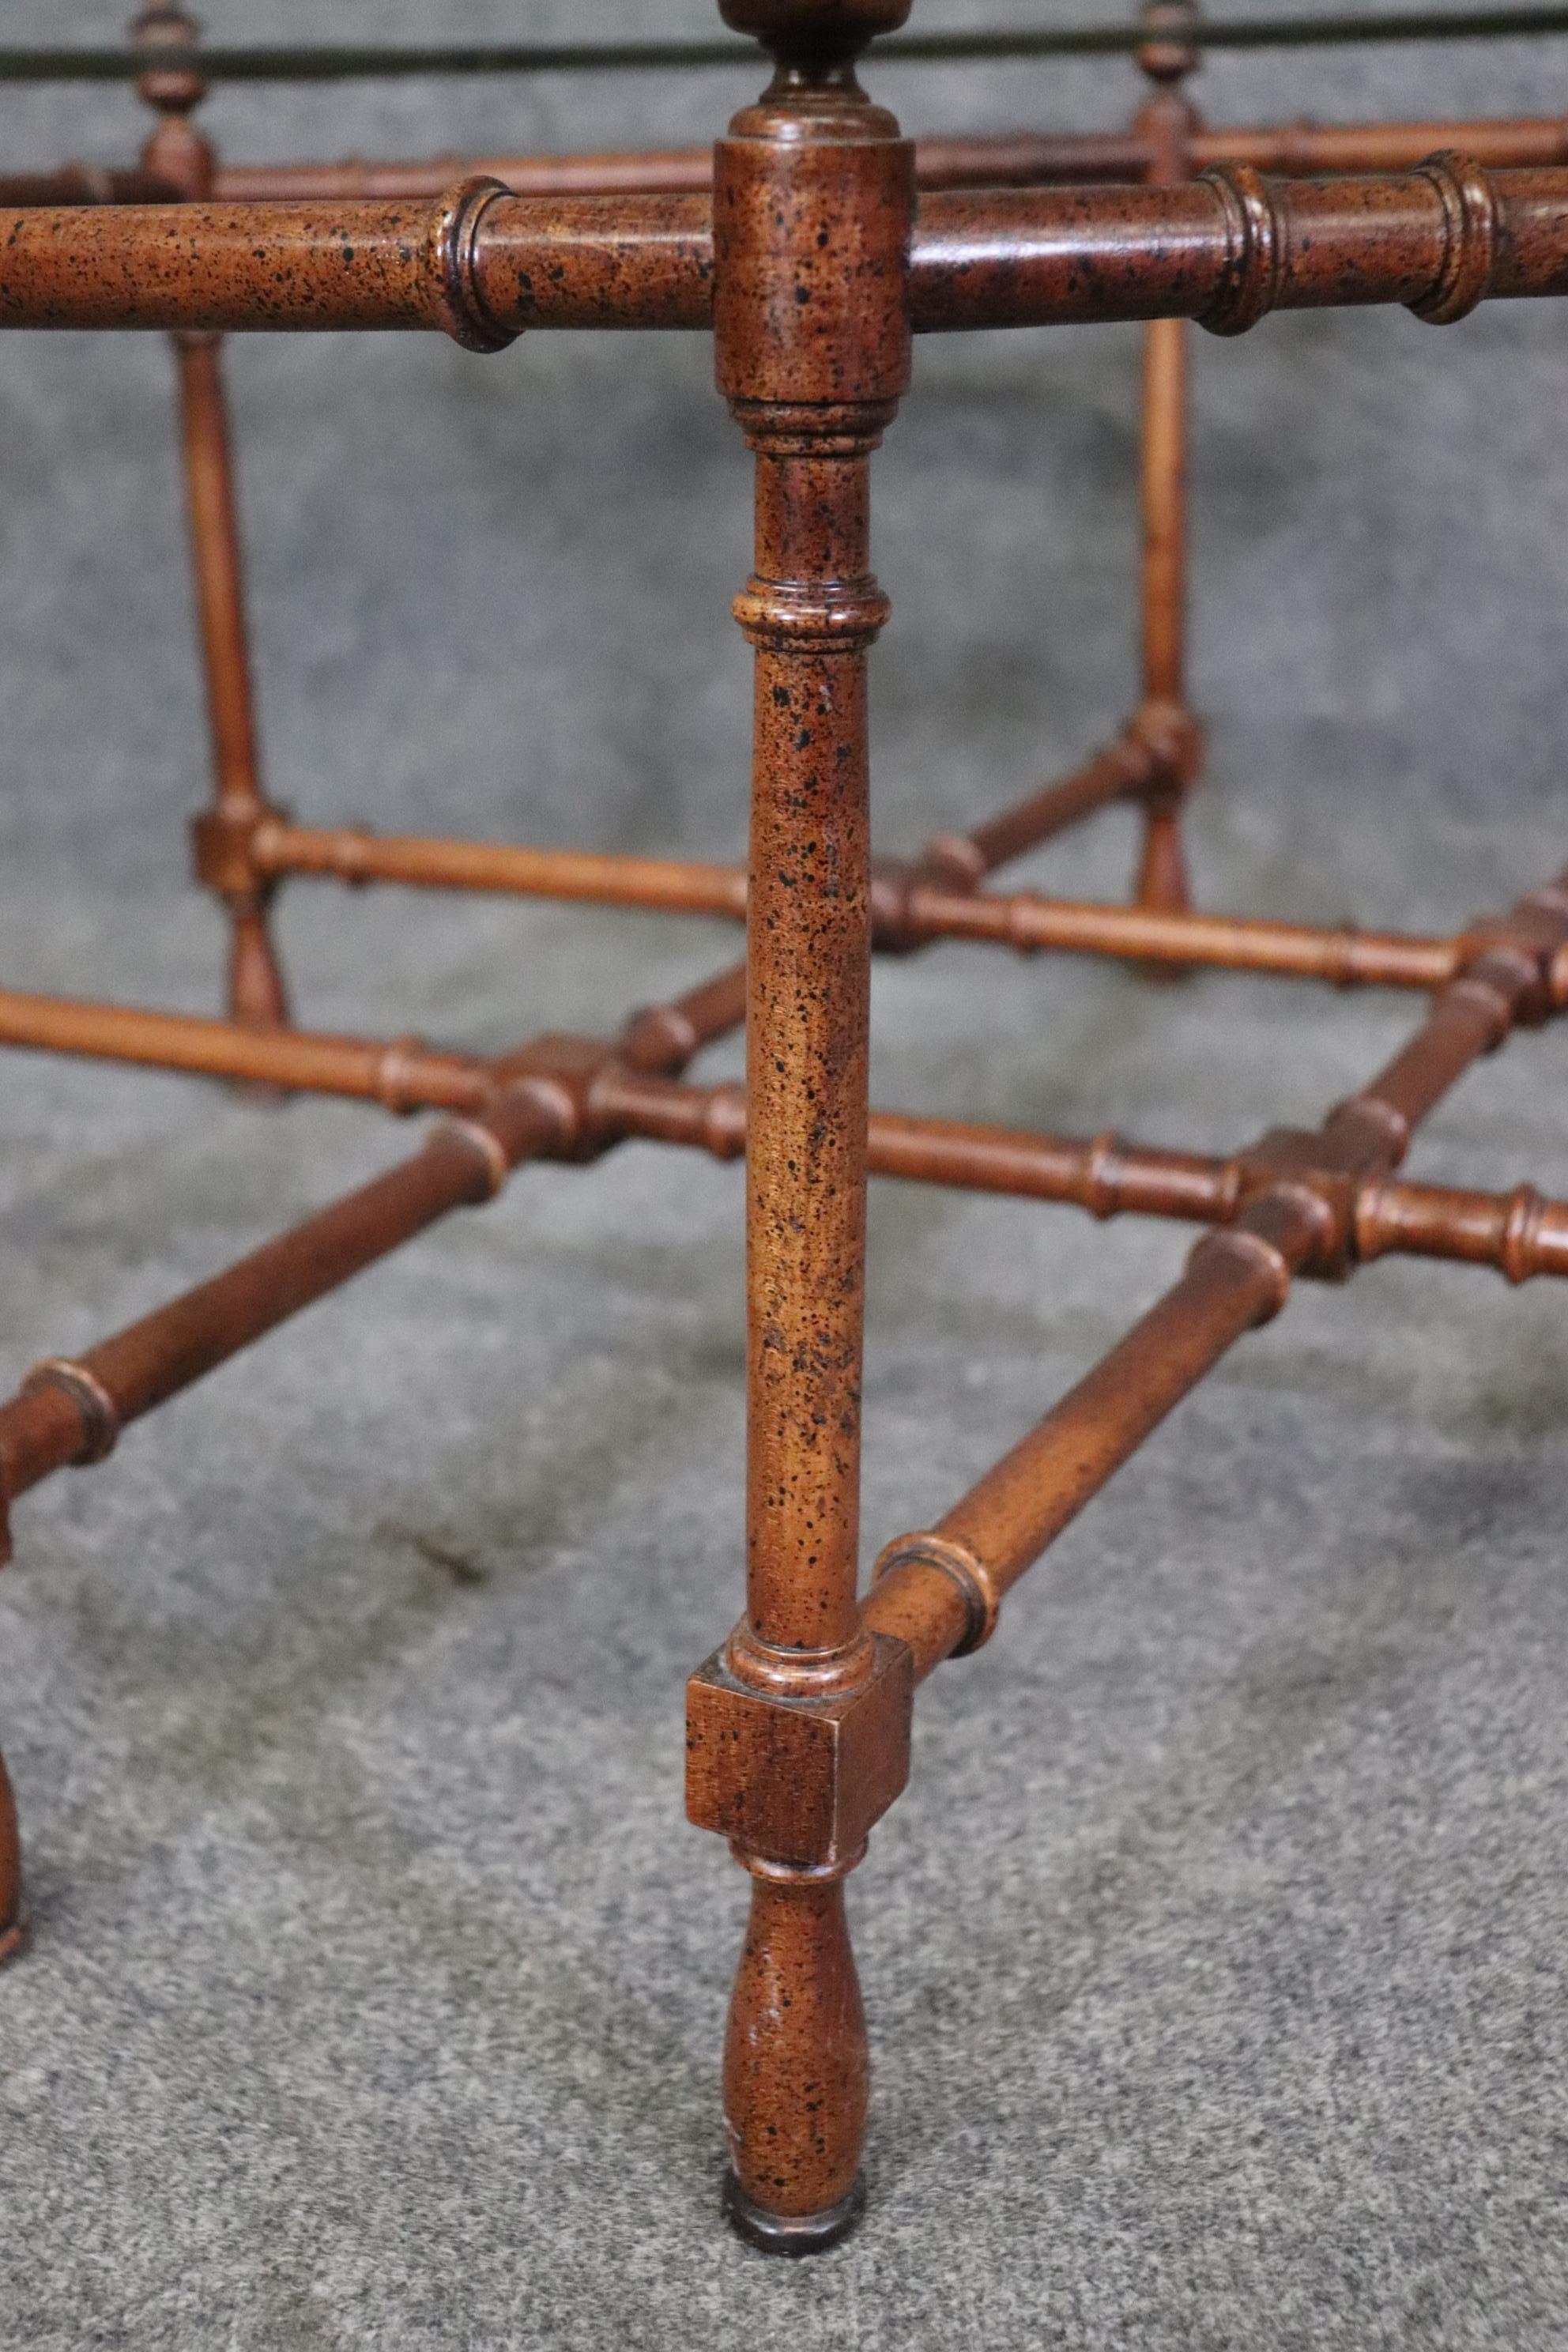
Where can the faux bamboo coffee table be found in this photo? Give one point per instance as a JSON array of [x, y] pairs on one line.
[[814, 245]]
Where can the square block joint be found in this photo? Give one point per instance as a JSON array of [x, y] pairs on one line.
[[798, 1780]]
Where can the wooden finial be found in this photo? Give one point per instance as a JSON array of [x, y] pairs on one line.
[[1169, 55], [176, 90], [814, 38]]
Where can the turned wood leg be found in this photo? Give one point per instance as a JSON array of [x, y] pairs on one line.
[[1166, 122], [1162, 880], [226, 836], [798, 1730], [13, 1922]]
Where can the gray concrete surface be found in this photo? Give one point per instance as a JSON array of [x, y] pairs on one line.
[[1215, 1959]]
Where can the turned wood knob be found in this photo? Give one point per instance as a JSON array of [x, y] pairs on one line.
[[814, 32]]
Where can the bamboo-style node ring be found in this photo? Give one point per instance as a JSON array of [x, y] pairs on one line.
[[849, 613], [1518, 1252], [100, 1414], [1255, 249], [981, 1600], [396, 1088], [1470, 225], [1102, 1174], [459, 304]]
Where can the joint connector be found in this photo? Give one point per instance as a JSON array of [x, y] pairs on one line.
[[1303, 1168], [557, 1072], [892, 931], [798, 1780], [1520, 957], [224, 855], [963, 1569], [1167, 736]]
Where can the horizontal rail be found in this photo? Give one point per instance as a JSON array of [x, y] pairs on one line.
[[991, 160], [1001, 159], [1229, 248], [664, 1037], [345, 61], [530, 1104], [1300, 150], [1029, 923], [1519, 1233], [85, 184], [907, 909], [941, 1589], [344, 854], [1021, 1506], [480, 264], [485, 265], [997, 159], [1124, 768], [1103, 1175], [406, 1075], [73, 1412]]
